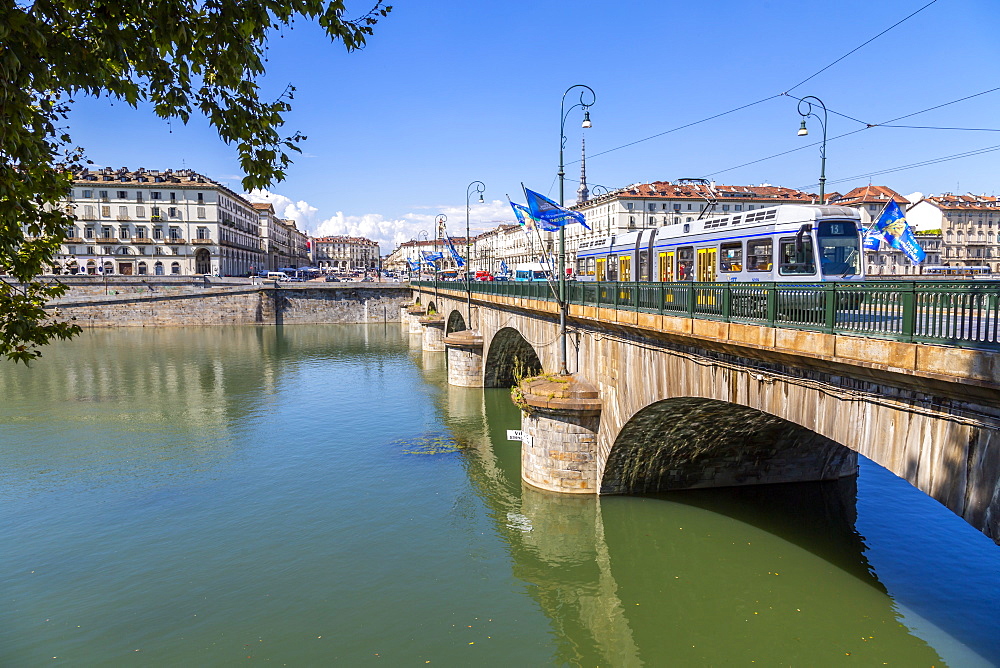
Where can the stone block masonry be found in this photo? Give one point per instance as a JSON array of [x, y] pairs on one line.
[[168, 305]]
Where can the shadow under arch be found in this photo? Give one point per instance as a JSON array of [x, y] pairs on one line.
[[431, 307], [456, 323], [509, 359], [692, 442]]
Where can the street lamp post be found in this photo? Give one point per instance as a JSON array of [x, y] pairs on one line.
[[439, 221], [803, 131], [420, 257], [480, 188], [563, 113]]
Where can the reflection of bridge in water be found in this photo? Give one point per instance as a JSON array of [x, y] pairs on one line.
[[603, 569], [682, 393]]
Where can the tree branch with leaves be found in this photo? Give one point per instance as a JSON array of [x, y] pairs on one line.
[[181, 57]]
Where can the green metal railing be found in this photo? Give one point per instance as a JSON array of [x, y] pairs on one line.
[[954, 313]]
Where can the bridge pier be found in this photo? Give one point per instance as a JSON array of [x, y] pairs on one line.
[[465, 358], [560, 418], [433, 332], [415, 312]]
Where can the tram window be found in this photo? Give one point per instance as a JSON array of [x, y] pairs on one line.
[[643, 274], [624, 267], [685, 263], [839, 248], [796, 257], [581, 266], [759, 255], [731, 257], [612, 267], [590, 266]]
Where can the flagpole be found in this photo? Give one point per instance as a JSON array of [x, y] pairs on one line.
[[563, 113], [439, 220]]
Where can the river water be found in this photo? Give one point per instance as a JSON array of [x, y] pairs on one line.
[[317, 495]]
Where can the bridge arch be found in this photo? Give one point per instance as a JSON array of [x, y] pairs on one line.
[[455, 323], [510, 358], [692, 442]]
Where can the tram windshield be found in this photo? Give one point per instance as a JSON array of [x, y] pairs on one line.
[[839, 248]]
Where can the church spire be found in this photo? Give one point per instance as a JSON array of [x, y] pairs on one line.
[[582, 193]]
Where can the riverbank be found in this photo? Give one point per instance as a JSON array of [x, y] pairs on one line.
[[161, 301]]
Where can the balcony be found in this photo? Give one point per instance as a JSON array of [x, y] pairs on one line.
[[175, 241], [107, 240], [142, 240], [124, 216], [202, 242], [73, 240]]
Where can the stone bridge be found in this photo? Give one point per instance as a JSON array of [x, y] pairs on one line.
[[659, 402]]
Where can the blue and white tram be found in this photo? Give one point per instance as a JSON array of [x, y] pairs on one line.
[[798, 243]]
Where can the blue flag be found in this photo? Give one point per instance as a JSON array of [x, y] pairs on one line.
[[528, 221], [873, 239], [546, 210], [454, 254], [503, 268], [892, 224], [432, 257]]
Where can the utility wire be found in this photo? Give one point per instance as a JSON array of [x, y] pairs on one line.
[[861, 46], [868, 126], [751, 104], [923, 163]]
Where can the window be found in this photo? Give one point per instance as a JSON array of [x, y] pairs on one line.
[[201, 212], [106, 211], [652, 207], [122, 194], [173, 197], [157, 232], [685, 263], [123, 212], [838, 248], [203, 233], [141, 232], [201, 197], [123, 232], [88, 193], [795, 256], [731, 257], [88, 232], [138, 197], [106, 232], [140, 212], [759, 255], [88, 212], [155, 194], [172, 212], [104, 195], [738, 207], [628, 205], [175, 268], [725, 207]]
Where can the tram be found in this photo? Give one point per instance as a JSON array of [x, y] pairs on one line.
[[789, 243]]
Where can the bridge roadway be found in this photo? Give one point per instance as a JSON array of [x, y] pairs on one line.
[[657, 401]]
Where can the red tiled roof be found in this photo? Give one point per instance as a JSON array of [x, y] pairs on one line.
[[668, 190], [870, 195], [344, 240], [969, 202]]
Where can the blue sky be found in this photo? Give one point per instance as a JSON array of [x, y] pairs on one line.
[[447, 93]]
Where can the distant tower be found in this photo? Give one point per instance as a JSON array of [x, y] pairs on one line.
[[582, 193]]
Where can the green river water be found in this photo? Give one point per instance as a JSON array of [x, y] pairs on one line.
[[319, 495]]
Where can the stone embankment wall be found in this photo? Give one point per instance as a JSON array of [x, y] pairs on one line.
[[154, 303]]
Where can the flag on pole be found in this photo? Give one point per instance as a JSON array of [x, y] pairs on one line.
[[872, 239], [546, 210], [895, 230], [454, 254], [414, 265], [503, 268], [529, 221]]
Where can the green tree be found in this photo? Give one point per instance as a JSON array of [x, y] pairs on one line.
[[181, 57]]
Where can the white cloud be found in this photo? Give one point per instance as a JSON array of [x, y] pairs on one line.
[[388, 232]]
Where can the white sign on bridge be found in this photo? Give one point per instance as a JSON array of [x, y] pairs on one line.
[[518, 435]]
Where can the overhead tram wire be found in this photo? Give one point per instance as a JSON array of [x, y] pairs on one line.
[[924, 163], [860, 46], [786, 92], [868, 126]]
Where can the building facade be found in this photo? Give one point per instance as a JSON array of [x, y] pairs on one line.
[[148, 222], [969, 226], [351, 254]]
